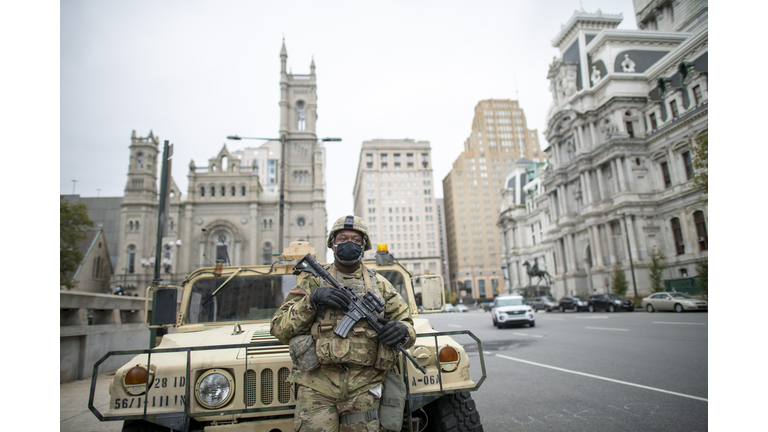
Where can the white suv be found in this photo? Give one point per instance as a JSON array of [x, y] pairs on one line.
[[511, 309]]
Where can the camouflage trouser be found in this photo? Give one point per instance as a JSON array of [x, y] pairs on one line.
[[316, 412]]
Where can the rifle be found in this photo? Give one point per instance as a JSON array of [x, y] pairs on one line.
[[358, 309]]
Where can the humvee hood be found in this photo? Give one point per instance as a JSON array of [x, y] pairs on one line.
[[217, 336]]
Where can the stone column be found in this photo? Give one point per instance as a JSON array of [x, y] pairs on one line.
[[672, 164], [574, 255], [600, 190], [588, 181], [620, 170], [597, 249], [592, 133], [611, 247], [615, 177], [583, 186], [580, 131], [628, 177], [642, 244]]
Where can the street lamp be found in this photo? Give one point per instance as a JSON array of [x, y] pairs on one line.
[[629, 249], [281, 207]]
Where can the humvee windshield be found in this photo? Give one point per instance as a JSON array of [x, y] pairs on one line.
[[242, 298], [396, 279]]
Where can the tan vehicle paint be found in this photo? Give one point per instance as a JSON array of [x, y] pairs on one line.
[[259, 398]]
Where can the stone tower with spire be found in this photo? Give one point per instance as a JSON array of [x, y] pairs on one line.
[[138, 213], [305, 214], [227, 212]]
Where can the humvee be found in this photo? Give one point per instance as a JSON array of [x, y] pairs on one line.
[[221, 370]]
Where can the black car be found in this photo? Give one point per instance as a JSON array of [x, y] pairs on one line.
[[574, 303], [544, 303], [609, 302]]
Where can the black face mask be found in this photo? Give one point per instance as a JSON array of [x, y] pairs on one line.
[[348, 253]]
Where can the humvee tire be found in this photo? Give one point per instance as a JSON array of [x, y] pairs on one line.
[[454, 413]]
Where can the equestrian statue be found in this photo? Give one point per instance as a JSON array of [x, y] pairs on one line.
[[533, 271]]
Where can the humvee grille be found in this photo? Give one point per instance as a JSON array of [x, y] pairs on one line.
[[265, 337], [267, 388], [283, 388], [249, 395]]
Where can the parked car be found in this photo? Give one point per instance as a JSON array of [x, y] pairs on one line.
[[609, 302], [544, 302], [511, 309], [574, 303], [676, 301], [487, 306], [462, 308], [450, 308]]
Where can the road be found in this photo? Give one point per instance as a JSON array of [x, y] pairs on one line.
[[628, 371]]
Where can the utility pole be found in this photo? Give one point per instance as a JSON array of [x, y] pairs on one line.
[[73, 186]]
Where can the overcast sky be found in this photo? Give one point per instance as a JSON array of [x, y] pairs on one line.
[[194, 72]]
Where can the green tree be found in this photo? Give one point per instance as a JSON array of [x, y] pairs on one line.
[[619, 284], [73, 225], [701, 279], [657, 270], [700, 161]]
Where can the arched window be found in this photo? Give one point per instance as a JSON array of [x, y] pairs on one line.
[[242, 190], [677, 233], [136, 225], [170, 224], [130, 225], [131, 259], [267, 252], [213, 190], [301, 116], [701, 229], [233, 191], [202, 191], [223, 191], [140, 161]]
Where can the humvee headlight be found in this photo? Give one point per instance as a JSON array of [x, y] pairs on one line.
[[135, 380], [449, 359], [214, 388]]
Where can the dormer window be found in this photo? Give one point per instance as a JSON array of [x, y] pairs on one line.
[[140, 161]]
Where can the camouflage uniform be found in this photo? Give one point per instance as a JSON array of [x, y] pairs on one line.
[[349, 367]]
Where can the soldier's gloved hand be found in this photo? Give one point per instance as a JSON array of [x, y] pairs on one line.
[[327, 298], [392, 332]]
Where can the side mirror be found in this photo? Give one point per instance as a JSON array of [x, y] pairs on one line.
[[432, 293], [164, 302]]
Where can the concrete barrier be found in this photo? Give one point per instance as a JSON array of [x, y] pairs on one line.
[[93, 324]]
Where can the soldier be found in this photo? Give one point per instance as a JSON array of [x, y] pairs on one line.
[[339, 380]]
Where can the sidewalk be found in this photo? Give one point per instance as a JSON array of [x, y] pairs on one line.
[[75, 415]]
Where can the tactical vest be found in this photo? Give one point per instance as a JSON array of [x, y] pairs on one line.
[[361, 346]]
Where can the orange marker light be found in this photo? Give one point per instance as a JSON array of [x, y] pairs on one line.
[[382, 247], [448, 354]]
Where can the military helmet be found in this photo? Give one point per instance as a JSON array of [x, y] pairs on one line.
[[351, 223]]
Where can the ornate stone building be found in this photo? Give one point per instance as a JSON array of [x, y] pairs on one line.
[[226, 203], [627, 106]]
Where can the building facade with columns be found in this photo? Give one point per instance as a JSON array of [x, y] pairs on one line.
[[627, 107], [227, 202]]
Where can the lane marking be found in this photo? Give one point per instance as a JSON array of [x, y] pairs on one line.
[[663, 322], [526, 334], [606, 328], [454, 325], [593, 317], [602, 378]]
